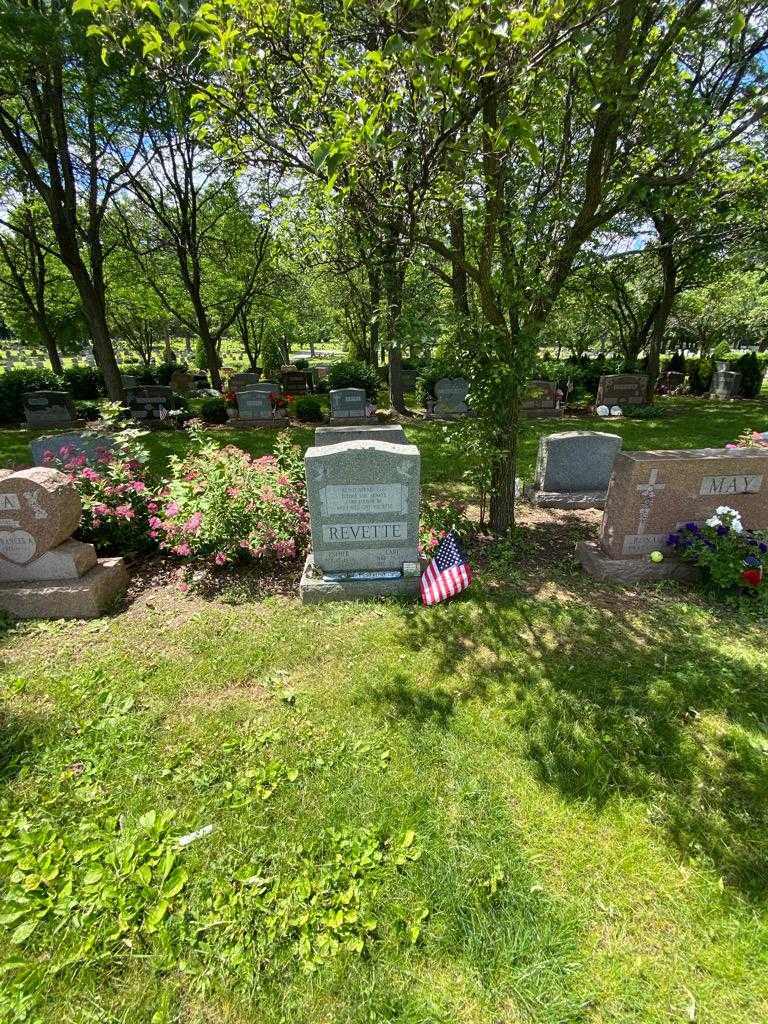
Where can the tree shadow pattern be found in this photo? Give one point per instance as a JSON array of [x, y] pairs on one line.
[[617, 696]]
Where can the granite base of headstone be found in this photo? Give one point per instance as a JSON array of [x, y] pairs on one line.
[[450, 399], [541, 401], [573, 469], [49, 409], [44, 573], [63, 447], [391, 432], [364, 516], [653, 493], [622, 389], [349, 407]]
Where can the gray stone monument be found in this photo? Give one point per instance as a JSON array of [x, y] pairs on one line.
[[62, 447], [254, 408], [43, 572], [151, 405], [450, 397], [540, 400], [725, 385], [348, 405], [241, 381], [391, 432], [364, 514], [49, 409], [269, 387], [573, 469], [622, 389]]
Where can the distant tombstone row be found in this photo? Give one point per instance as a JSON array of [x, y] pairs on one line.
[[573, 469], [622, 389], [653, 493]]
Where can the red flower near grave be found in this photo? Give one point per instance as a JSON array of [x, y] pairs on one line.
[[753, 577]]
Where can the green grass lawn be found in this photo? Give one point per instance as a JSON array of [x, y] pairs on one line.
[[545, 802]]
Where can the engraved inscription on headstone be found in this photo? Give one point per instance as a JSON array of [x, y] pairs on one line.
[[622, 389], [348, 403], [364, 505]]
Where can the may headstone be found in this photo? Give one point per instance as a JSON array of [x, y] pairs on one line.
[[364, 514], [622, 389], [573, 469], [450, 397], [725, 384], [63, 447], [349, 404], [541, 399], [43, 572], [391, 432], [652, 493], [49, 408]]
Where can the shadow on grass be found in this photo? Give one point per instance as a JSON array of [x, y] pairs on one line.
[[617, 697]]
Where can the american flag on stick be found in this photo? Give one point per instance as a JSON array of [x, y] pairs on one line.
[[448, 573]]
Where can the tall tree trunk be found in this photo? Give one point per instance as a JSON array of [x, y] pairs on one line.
[[95, 314], [374, 284], [393, 299], [667, 230], [53, 351], [458, 263], [502, 498]]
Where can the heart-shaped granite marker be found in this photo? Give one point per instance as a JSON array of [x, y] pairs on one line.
[[39, 509]]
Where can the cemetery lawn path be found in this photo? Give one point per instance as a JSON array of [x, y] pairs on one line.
[[544, 803]]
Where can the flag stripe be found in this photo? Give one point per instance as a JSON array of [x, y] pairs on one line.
[[447, 574]]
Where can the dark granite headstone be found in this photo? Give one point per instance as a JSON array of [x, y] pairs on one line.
[[49, 408]]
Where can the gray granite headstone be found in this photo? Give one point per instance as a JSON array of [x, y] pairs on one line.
[[45, 408], [151, 404], [391, 432], [348, 403], [574, 468], [93, 446], [364, 505], [622, 389], [451, 397], [254, 404], [725, 384], [241, 381]]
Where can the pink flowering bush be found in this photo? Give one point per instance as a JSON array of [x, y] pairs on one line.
[[115, 491], [222, 505]]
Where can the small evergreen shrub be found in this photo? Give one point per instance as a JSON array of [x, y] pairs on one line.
[[84, 383], [308, 409], [751, 372], [214, 410], [351, 373]]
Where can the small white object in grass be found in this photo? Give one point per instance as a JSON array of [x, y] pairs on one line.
[[657, 556], [602, 410], [192, 836], [518, 486], [615, 410]]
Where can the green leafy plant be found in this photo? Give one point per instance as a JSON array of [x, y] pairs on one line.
[[308, 409], [214, 410], [751, 372], [436, 518], [731, 557], [352, 373]]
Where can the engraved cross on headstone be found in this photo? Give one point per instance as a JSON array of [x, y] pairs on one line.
[[648, 491]]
